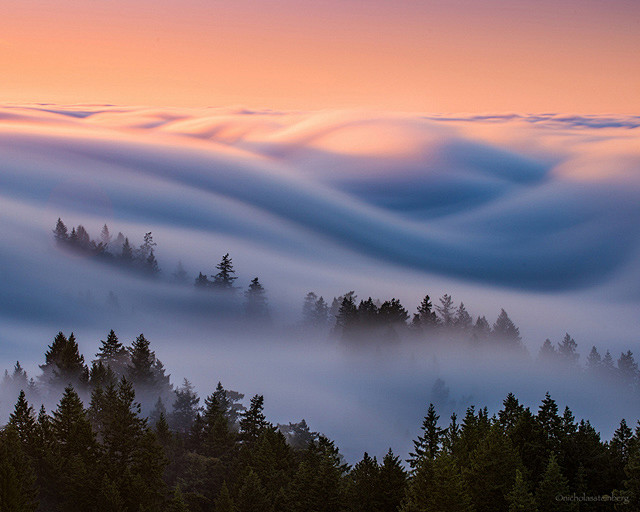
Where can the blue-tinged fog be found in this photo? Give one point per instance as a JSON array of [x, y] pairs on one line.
[[539, 215]]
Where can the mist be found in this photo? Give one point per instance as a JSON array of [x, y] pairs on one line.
[[537, 215]]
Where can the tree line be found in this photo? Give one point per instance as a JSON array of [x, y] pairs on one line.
[[97, 450]]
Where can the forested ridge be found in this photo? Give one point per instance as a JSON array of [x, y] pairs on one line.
[[121, 438]]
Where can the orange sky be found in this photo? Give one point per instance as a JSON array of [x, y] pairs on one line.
[[413, 55]]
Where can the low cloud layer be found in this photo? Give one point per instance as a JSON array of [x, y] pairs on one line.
[[538, 214]]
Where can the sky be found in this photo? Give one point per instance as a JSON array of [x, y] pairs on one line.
[[418, 56]]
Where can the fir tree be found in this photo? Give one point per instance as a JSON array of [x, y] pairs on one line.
[[446, 310], [252, 496], [180, 274], [202, 281], [552, 489], [425, 317], [223, 502], [17, 478], [320, 313], [255, 304], [567, 350], [141, 367], [113, 353], [392, 481], [185, 408], [105, 237], [23, 421], [308, 308], [505, 331], [126, 255], [428, 444], [363, 486], [151, 267], [60, 233], [224, 279], [594, 361], [253, 421], [520, 499], [463, 320]]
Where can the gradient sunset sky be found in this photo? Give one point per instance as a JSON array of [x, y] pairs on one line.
[[430, 55]]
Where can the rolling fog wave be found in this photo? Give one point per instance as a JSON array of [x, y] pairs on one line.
[[537, 214]]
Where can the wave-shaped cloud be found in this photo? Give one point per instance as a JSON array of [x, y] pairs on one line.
[[399, 189], [534, 213]]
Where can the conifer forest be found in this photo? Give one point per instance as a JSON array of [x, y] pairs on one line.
[[113, 432]]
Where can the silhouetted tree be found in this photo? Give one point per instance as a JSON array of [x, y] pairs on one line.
[[224, 278]]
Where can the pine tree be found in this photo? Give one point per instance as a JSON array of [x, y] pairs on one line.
[[392, 483], [224, 279], [308, 308], [628, 370], [23, 421], [347, 317], [63, 363], [550, 421], [185, 408], [142, 359], [393, 313], [255, 305], [320, 313], [177, 503], [552, 488], [520, 499], [463, 320], [126, 255], [105, 237], [113, 353], [146, 249], [594, 361], [567, 350], [317, 484], [253, 421], [202, 282], [252, 496], [223, 502], [60, 233], [151, 267], [17, 478], [547, 354], [363, 486], [505, 331], [428, 444], [481, 330], [511, 413], [425, 317], [446, 310]]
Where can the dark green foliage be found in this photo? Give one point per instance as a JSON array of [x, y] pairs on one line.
[[428, 444], [362, 493], [392, 482], [223, 502], [520, 499], [553, 485], [141, 371], [22, 420], [17, 478], [489, 474], [252, 496], [253, 421], [64, 365], [185, 408], [317, 483]]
